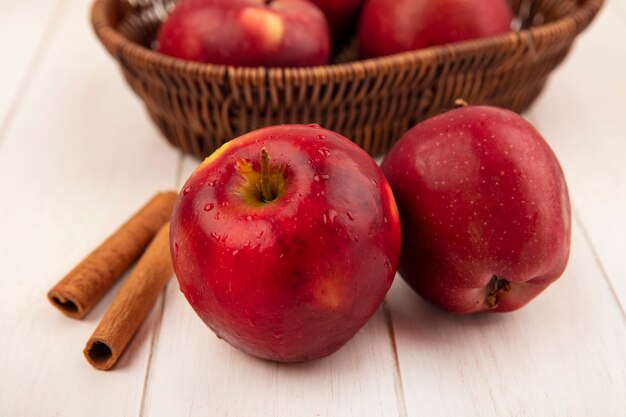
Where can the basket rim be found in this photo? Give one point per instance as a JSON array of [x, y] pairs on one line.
[[123, 48]]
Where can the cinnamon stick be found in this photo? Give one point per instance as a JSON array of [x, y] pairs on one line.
[[132, 304], [79, 291]]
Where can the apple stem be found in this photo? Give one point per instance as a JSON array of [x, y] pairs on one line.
[[459, 102], [496, 287], [266, 189]]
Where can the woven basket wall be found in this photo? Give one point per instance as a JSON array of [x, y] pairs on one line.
[[199, 106]]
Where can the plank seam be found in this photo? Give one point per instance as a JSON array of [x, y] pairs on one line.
[[598, 262], [32, 67], [397, 376], [153, 346], [157, 332], [587, 237], [179, 171]]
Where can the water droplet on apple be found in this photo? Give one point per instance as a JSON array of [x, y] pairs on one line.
[[332, 214], [324, 218], [248, 218], [321, 137], [385, 219], [387, 264], [324, 152], [350, 216], [212, 183], [217, 216], [324, 176], [235, 252], [186, 190], [209, 207], [316, 177], [314, 125], [215, 236]]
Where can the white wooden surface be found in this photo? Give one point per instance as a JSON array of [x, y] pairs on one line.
[[26, 27], [78, 154]]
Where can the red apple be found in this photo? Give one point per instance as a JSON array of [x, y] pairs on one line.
[[270, 33], [392, 26], [486, 219], [286, 253], [341, 14]]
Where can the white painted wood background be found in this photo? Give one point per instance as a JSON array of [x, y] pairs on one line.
[[78, 154]]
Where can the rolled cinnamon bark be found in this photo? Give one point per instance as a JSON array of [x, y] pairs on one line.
[[132, 304], [79, 291]]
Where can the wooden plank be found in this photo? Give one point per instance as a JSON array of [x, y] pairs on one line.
[[621, 4], [195, 373], [561, 355], [583, 116], [78, 158], [25, 28]]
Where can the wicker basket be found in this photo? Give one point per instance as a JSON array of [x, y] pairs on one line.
[[200, 106]]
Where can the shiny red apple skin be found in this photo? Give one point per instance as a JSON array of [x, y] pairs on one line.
[[392, 26], [294, 279], [249, 33], [342, 15], [480, 193]]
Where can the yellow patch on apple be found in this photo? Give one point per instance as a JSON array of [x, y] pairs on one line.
[[328, 292], [392, 202], [267, 27], [211, 158]]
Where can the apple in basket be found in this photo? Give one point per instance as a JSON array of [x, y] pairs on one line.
[[486, 220], [285, 241], [392, 26], [271, 33], [342, 15]]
